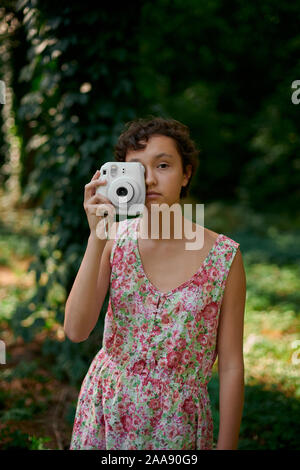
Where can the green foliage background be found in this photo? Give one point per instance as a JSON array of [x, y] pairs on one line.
[[80, 71]]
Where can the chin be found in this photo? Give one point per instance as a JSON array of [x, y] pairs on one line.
[[151, 201]]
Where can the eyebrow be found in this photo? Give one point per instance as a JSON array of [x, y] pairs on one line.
[[162, 154]]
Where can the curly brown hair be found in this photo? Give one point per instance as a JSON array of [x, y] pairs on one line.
[[142, 129]]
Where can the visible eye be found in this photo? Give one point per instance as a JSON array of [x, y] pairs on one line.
[[163, 164]]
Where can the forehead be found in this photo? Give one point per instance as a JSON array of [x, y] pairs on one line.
[[155, 146]]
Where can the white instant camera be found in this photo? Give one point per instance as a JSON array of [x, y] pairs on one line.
[[125, 186]]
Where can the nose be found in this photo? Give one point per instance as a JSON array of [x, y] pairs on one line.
[[150, 179]]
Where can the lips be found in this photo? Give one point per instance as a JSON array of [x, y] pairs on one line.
[[152, 193]]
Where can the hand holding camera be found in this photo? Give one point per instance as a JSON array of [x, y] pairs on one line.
[[126, 188], [95, 204]]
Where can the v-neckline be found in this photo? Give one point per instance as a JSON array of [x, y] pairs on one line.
[[183, 284]]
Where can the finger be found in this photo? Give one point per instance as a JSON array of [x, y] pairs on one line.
[[96, 175], [89, 189], [98, 209], [95, 183], [105, 209], [98, 199], [98, 181]]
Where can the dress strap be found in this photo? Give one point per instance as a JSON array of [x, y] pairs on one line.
[[229, 248], [125, 231]]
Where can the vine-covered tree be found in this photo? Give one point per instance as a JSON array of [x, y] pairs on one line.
[[80, 70]]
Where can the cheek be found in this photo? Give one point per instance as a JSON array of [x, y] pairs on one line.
[[172, 186], [175, 180], [171, 181], [174, 176]]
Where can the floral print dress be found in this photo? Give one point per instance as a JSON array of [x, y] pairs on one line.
[[146, 388]]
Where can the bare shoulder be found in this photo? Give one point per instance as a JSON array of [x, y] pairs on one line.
[[237, 264], [209, 235], [237, 267]]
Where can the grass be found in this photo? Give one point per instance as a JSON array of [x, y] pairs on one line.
[[37, 410]]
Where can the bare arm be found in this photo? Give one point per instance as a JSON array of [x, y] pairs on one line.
[[230, 356], [85, 300], [88, 292]]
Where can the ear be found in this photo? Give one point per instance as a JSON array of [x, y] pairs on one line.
[[187, 174]]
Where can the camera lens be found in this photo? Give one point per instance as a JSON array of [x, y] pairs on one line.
[[122, 191]]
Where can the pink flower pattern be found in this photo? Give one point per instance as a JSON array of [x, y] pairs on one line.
[[146, 388]]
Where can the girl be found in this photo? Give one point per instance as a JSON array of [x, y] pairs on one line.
[[171, 312]]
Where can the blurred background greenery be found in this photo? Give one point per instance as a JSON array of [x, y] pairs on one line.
[[74, 74]]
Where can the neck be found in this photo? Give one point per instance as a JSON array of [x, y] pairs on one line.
[[163, 226]]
